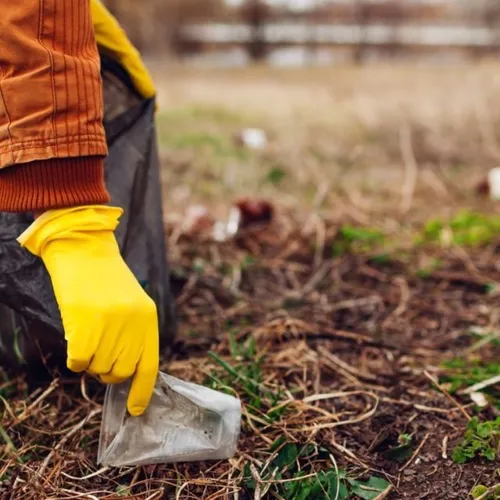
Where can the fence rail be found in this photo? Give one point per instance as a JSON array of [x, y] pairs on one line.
[[346, 35]]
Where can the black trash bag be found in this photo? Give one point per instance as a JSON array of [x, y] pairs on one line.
[[30, 325]]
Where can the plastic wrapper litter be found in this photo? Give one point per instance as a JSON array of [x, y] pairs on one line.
[[184, 422], [30, 326]]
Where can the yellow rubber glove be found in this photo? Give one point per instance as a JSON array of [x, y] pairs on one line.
[[110, 323], [113, 40]]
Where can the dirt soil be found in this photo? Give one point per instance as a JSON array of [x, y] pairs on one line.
[[354, 344], [349, 349]]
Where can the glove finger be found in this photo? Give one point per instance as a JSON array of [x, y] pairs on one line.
[[111, 380], [105, 358], [77, 365], [144, 380], [80, 349], [123, 368], [79, 357], [121, 371], [100, 365]]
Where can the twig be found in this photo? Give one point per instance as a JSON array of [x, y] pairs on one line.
[[405, 295], [354, 303], [83, 389], [70, 434], [332, 458], [435, 182], [317, 278], [487, 339], [75, 494], [411, 169], [448, 395], [258, 482], [445, 447], [25, 413], [332, 395], [345, 451], [429, 409], [291, 480], [417, 451], [385, 493], [10, 444], [486, 494], [481, 385], [83, 478], [155, 494], [345, 366]]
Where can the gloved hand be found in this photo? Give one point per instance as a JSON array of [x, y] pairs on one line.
[[110, 323], [111, 38]]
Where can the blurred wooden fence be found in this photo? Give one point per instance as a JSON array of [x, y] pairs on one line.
[[389, 27]]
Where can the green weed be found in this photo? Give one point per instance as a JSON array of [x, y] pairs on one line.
[[245, 376], [247, 262], [209, 145], [402, 451], [275, 176], [85, 441], [356, 239], [122, 490], [465, 229], [8, 388], [381, 259], [199, 265], [189, 116], [481, 439], [426, 271], [293, 471], [10, 446], [290, 476], [479, 491], [483, 337], [214, 114], [206, 131], [462, 373]]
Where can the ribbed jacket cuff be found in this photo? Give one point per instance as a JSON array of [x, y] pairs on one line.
[[53, 183]]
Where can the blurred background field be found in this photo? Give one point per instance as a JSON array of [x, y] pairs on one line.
[[380, 113], [365, 104], [358, 141]]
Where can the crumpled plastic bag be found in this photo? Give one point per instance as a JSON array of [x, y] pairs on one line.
[[184, 422]]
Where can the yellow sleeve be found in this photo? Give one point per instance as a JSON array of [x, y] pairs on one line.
[[112, 38]]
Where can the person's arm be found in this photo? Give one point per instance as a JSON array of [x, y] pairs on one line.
[[52, 145], [52, 140]]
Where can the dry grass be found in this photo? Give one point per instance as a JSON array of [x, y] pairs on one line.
[[335, 346], [334, 359]]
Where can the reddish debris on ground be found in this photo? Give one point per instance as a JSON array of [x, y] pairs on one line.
[[255, 211]]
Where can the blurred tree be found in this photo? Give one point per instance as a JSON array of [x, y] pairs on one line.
[[486, 13], [363, 18], [395, 14], [154, 25], [256, 13], [314, 19], [391, 14]]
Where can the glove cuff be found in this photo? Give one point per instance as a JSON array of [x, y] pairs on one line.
[[68, 223]]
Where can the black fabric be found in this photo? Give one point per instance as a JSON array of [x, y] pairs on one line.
[[30, 326]]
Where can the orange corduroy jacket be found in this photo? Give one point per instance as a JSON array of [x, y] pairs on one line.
[[52, 140]]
